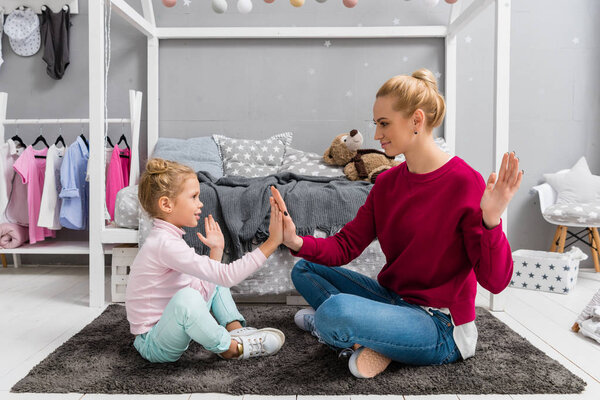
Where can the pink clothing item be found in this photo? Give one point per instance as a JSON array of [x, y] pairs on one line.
[[32, 171], [166, 264], [13, 206], [12, 235], [117, 177], [125, 156], [431, 231]]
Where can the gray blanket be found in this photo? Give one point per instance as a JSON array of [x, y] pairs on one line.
[[241, 207]]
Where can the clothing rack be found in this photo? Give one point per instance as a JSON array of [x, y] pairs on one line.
[[36, 5], [53, 246]]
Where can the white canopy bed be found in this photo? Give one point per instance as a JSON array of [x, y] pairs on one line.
[[101, 235]]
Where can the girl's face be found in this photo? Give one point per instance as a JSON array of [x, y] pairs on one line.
[[393, 130], [186, 207]]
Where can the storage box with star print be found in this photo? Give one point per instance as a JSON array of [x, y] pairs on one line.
[[546, 271]]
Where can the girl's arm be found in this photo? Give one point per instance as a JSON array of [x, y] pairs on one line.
[[180, 257]]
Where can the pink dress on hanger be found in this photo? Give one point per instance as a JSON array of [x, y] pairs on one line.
[[32, 171], [117, 177]]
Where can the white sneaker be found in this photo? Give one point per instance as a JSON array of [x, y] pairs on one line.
[[246, 330], [305, 319], [262, 342]]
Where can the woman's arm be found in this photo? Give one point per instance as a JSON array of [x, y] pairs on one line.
[[486, 243], [335, 250]]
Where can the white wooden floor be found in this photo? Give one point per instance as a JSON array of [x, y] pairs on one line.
[[42, 307]]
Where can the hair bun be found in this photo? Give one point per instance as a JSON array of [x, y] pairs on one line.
[[157, 166], [427, 76]]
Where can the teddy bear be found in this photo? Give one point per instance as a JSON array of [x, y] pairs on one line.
[[359, 164]]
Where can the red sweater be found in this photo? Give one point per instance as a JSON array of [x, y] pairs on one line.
[[431, 231]]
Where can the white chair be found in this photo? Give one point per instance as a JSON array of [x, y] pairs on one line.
[[586, 216]]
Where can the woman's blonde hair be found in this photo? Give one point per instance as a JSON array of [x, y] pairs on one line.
[[161, 178], [417, 91]]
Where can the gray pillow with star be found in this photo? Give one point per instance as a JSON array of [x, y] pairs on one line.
[[252, 158]]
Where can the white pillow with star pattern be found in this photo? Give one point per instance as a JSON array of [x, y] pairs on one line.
[[252, 158], [305, 163], [576, 185]]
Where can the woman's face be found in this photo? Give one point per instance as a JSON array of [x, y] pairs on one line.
[[393, 130]]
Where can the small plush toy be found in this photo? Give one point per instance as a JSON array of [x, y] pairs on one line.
[[359, 164]]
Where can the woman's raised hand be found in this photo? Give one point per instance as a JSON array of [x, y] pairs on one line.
[[214, 237], [275, 223], [498, 193], [290, 238]]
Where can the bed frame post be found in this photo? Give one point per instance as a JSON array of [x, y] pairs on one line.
[[96, 141], [135, 113], [153, 94], [152, 78], [501, 107], [450, 83]]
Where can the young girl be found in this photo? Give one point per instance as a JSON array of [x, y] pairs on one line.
[[172, 291], [439, 227]]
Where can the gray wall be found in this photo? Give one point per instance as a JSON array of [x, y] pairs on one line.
[[251, 88]]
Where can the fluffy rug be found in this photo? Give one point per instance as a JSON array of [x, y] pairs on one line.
[[101, 359]]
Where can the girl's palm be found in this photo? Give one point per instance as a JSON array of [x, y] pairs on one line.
[[214, 237]]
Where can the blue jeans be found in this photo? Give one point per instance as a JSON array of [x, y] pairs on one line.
[[187, 317], [353, 308]]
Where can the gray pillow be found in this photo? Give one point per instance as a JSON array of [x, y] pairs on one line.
[[199, 153], [252, 158], [306, 163]]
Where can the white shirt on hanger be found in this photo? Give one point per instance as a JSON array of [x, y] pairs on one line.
[[9, 152], [50, 203]]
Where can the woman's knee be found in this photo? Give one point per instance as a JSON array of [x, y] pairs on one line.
[[336, 316], [299, 269]]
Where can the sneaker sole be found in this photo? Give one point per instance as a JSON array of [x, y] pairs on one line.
[[371, 363]]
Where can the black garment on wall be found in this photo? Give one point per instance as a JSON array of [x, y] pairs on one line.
[[55, 28]]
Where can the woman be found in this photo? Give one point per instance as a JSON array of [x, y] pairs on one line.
[[439, 227]]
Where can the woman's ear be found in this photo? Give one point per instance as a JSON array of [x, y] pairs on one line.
[[165, 205], [418, 119]]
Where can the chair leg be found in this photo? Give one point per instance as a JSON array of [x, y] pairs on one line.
[[597, 245], [561, 241], [555, 240]]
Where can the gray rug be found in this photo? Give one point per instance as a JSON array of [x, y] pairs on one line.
[[101, 359]]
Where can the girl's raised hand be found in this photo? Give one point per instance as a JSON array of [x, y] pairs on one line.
[[214, 237], [498, 193]]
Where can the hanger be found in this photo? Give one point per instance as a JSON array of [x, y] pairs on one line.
[[17, 139], [85, 141], [109, 142], [37, 140], [60, 139], [123, 139]]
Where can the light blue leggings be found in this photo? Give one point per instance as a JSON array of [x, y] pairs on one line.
[[187, 317]]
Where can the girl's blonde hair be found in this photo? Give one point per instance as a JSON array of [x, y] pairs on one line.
[[161, 178], [417, 91]]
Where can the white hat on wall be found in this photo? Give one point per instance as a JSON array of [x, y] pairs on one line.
[[23, 30]]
